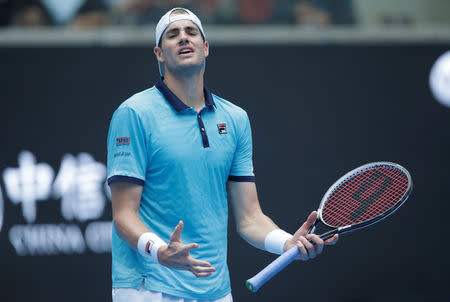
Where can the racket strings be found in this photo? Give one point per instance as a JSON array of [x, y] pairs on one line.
[[351, 204], [341, 209], [365, 195]]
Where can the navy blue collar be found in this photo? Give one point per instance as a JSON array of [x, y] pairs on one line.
[[176, 103]]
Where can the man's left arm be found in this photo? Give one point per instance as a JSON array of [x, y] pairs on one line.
[[254, 226]]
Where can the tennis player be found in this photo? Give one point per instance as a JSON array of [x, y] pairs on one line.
[[175, 153]]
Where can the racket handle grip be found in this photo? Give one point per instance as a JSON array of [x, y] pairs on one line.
[[254, 283]]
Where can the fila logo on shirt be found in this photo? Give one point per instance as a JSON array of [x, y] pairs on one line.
[[120, 141], [222, 128]]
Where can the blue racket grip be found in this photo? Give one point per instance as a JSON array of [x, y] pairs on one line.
[[255, 283]]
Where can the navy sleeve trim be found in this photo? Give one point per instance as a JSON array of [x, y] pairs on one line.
[[241, 178], [119, 178]]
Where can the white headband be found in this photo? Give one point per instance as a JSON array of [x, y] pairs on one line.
[[167, 19]]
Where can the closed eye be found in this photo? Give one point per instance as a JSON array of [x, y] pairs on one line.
[[172, 33], [191, 31]]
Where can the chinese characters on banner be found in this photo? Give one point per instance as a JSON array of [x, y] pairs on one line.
[[80, 187], [27, 184]]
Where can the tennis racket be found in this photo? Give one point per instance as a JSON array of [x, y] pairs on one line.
[[360, 198]]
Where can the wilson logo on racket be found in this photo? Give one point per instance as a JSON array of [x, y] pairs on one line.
[[120, 141], [222, 128], [372, 189]]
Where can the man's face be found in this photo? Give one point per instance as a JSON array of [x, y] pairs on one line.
[[182, 48]]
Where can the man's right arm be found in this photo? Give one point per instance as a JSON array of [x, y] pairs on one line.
[[125, 205], [176, 255]]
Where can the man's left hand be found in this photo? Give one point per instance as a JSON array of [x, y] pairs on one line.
[[305, 241]]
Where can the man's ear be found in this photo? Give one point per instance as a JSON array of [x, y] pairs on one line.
[[158, 53], [206, 49]]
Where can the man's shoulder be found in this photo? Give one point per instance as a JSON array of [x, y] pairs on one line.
[[229, 106], [142, 101]]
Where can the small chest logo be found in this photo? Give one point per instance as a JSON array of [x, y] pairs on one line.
[[122, 141], [222, 128]]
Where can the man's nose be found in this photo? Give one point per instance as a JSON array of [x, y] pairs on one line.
[[183, 38], [183, 41]]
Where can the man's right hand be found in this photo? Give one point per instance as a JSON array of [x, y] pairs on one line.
[[176, 255]]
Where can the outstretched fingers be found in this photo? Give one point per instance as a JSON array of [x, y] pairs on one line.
[[190, 246], [307, 224], [176, 234], [310, 245], [200, 272], [200, 263], [200, 268], [177, 255]]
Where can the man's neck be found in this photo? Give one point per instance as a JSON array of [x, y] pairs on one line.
[[188, 89]]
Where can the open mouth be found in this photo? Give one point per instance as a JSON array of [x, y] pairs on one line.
[[185, 50]]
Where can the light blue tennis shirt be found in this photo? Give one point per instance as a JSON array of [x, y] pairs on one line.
[[183, 160]]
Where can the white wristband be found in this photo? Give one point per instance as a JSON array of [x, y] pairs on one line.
[[148, 245], [275, 240]]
